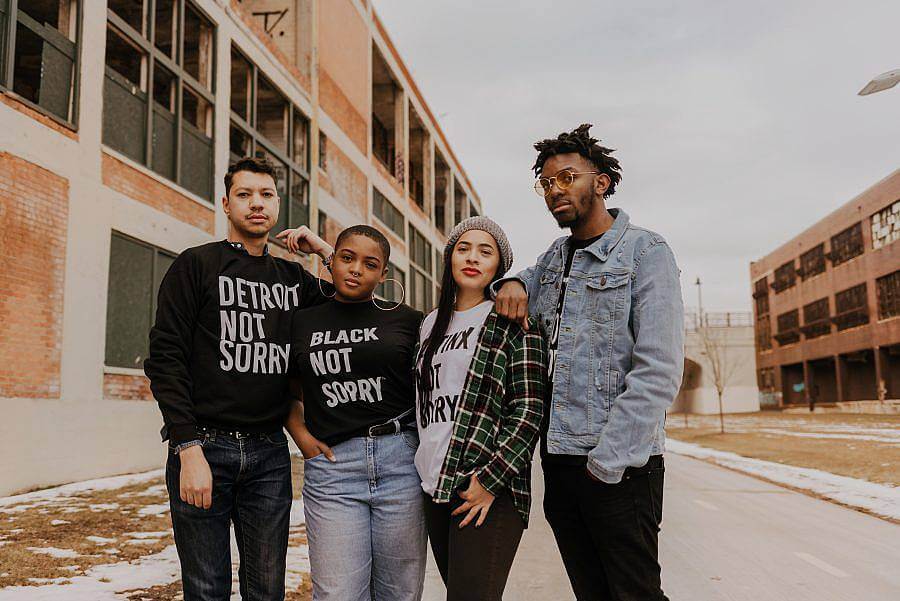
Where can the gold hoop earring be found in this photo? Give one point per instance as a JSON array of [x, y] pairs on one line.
[[319, 282], [402, 296]]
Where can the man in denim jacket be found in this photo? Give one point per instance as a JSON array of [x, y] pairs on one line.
[[609, 300]]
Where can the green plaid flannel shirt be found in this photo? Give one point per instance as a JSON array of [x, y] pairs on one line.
[[498, 423]]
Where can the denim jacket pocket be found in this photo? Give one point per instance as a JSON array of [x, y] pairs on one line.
[[605, 294], [548, 292]]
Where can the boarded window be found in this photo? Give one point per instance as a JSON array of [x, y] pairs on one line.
[[785, 277], [816, 319], [846, 245], [886, 225], [788, 328], [136, 270], [763, 333], [851, 307], [812, 262], [387, 213], [761, 296], [888, 289]]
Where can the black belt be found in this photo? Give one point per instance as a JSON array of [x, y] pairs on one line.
[[238, 434], [394, 426]]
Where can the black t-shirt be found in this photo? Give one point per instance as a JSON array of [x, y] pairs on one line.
[[552, 345], [220, 346], [355, 362]]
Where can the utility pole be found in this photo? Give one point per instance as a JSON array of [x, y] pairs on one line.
[[699, 285]]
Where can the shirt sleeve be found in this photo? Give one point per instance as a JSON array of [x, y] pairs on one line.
[[171, 340]]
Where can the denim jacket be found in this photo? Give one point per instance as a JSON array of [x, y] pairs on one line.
[[621, 345]]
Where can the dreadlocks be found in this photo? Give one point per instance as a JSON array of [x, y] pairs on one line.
[[580, 141]]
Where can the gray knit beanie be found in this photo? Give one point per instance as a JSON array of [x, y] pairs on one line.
[[484, 224]]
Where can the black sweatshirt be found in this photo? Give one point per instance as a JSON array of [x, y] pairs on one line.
[[220, 348], [355, 362]]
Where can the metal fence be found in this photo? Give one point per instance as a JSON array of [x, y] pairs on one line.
[[738, 319]]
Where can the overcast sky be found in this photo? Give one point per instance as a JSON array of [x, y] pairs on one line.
[[737, 123]]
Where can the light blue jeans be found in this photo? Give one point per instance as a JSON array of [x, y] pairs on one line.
[[365, 521]]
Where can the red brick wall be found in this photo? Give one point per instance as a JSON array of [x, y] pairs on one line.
[[34, 212], [120, 387], [334, 102], [345, 182], [143, 188]]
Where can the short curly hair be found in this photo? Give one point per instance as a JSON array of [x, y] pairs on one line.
[[580, 141]]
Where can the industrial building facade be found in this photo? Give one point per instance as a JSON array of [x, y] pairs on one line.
[[118, 120], [826, 308]]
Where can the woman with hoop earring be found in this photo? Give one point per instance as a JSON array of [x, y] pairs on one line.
[[353, 360]]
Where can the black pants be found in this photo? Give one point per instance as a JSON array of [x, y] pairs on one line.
[[608, 533], [474, 562]]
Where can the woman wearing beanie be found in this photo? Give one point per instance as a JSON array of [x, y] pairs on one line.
[[479, 402]]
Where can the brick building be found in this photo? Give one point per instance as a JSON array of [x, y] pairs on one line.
[[826, 305], [118, 119]]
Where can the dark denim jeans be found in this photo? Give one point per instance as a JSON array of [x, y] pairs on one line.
[[608, 533], [252, 490]]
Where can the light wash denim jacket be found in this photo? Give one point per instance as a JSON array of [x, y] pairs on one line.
[[621, 345]]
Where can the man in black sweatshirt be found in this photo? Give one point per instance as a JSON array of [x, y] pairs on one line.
[[218, 366]]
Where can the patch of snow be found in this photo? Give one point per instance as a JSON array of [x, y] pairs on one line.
[[59, 522], [142, 541], [159, 534], [54, 552], [95, 507], [158, 509], [880, 499], [110, 483], [100, 540]]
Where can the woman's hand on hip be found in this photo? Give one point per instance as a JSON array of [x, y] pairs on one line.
[[477, 503]]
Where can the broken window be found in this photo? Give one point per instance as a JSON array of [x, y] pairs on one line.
[[761, 296], [812, 262], [816, 319], [851, 307], [763, 333], [300, 136], [271, 113], [387, 213], [418, 140], [156, 133], [846, 245], [441, 193], [788, 328], [323, 151], [420, 279], [785, 277], [886, 225], [135, 272], [41, 43], [888, 289], [385, 95], [460, 202], [241, 82]]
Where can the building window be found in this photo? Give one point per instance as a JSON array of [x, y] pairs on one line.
[[158, 103], [264, 123], [323, 151], [851, 308], [322, 228], [886, 225], [888, 289], [420, 279], [816, 319], [387, 213], [39, 50], [385, 95], [441, 193], [135, 272], [417, 143], [785, 277], [460, 202], [390, 289], [761, 296], [812, 262], [788, 328], [763, 333], [473, 212], [766, 379], [846, 245]]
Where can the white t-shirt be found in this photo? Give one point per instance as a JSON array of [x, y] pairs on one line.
[[449, 366]]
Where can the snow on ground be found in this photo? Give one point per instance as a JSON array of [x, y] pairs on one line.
[[37, 497], [877, 498]]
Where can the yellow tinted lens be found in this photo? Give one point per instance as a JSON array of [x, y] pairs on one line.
[[542, 186], [564, 179]]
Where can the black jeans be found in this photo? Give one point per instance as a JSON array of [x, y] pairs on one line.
[[252, 490], [608, 533], [474, 562]]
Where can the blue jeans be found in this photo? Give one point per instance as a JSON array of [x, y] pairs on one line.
[[252, 490], [365, 521]]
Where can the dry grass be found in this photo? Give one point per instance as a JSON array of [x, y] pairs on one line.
[[835, 443]]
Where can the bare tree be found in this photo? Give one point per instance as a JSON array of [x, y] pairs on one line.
[[723, 365]]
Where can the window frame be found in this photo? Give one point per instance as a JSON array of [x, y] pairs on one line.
[[10, 8], [381, 199], [257, 142], [415, 268], [150, 53], [154, 294]]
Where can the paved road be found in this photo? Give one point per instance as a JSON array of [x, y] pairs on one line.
[[729, 537]]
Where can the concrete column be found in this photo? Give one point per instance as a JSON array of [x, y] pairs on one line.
[[880, 372], [840, 374], [807, 382]]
